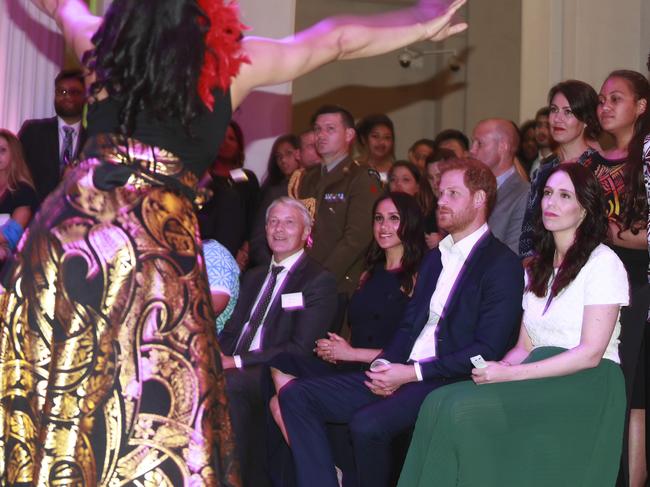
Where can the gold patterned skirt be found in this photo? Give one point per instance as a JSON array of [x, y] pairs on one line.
[[109, 365]]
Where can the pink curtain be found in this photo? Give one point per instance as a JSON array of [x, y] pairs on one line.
[[31, 55]]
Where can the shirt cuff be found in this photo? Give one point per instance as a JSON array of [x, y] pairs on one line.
[[418, 371], [238, 364]]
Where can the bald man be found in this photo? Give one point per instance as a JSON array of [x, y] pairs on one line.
[[495, 142]]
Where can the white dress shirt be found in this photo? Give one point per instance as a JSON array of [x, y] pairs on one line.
[[453, 256], [287, 263], [75, 136]]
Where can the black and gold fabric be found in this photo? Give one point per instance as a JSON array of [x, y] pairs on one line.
[[109, 366]]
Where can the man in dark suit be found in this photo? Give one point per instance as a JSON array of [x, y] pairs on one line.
[[50, 144], [283, 307], [467, 302], [343, 192]]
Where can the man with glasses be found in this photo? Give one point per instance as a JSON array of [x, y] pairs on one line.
[[51, 144]]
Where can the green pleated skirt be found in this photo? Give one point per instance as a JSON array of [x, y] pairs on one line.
[[552, 432]]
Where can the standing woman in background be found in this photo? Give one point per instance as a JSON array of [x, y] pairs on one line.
[[623, 112], [376, 134], [227, 217], [109, 364], [405, 177], [574, 126]]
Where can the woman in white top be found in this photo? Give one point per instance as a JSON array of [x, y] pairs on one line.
[[552, 412]]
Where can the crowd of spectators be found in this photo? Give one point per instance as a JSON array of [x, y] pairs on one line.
[[319, 270]]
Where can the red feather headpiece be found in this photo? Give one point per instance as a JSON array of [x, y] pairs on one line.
[[223, 56]]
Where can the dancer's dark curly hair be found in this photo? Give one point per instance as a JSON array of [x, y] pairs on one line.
[[149, 54], [589, 234], [635, 204], [410, 232]]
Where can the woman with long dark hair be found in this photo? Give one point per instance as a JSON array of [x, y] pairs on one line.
[[109, 361], [552, 411], [624, 112], [574, 127], [406, 177], [377, 305]]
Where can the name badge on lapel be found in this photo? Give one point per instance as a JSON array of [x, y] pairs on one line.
[[334, 197], [238, 175], [292, 301]]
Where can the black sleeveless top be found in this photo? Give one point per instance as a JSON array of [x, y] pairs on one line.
[[196, 149]]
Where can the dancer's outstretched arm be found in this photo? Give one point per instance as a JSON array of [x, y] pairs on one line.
[[277, 61], [74, 19], [345, 37]]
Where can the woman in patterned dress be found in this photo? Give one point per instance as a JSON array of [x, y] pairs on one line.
[[624, 113], [109, 365]]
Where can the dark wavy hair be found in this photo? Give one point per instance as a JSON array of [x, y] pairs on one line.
[[424, 196], [148, 55], [583, 101], [239, 135], [635, 205], [274, 175], [366, 124], [410, 232], [591, 232], [428, 142], [452, 134]]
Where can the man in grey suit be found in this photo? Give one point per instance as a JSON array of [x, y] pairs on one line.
[[495, 143]]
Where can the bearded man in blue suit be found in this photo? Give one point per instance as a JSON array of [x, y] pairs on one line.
[[467, 302]]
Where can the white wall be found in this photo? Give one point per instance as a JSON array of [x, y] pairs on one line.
[[427, 97], [582, 39], [375, 85]]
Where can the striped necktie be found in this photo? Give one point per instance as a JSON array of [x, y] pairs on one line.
[[66, 154], [254, 323]]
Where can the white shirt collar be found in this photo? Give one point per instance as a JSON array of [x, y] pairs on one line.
[[289, 262], [465, 245], [75, 126]]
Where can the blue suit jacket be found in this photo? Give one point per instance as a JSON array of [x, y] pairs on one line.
[[481, 316]]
